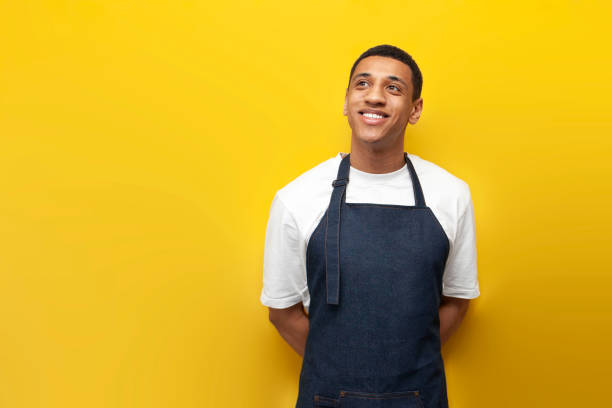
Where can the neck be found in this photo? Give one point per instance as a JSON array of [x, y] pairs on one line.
[[374, 159]]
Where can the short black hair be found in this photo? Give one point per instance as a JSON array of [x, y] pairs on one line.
[[386, 50]]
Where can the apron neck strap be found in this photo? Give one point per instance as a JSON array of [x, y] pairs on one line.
[[419, 198], [332, 233]]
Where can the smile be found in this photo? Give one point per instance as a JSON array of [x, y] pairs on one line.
[[373, 118]]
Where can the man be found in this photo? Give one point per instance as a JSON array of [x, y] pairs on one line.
[[379, 247]]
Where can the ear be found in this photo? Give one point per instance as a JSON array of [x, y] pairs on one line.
[[416, 111], [345, 112]]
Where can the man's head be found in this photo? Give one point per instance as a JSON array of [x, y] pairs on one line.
[[383, 95]]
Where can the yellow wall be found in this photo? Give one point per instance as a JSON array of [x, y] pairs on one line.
[[141, 144]]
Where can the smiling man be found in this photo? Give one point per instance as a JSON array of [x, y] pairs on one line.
[[370, 257]]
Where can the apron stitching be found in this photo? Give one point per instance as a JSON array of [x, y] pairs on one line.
[[338, 245]]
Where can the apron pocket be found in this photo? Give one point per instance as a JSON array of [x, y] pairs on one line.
[[325, 402], [398, 399]]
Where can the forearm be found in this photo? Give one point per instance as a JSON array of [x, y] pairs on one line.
[[294, 331], [451, 315]]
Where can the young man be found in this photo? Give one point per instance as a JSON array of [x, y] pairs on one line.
[[379, 247]]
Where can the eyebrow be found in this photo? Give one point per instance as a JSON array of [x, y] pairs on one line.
[[391, 77]]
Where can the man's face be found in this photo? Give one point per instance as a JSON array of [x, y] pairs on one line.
[[378, 102]]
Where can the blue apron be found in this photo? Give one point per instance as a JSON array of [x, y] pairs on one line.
[[374, 274]]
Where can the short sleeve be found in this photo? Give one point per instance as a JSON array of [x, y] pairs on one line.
[[284, 270], [460, 275]]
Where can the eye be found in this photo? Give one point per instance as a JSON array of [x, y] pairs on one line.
[[361, 82], [396, 88]]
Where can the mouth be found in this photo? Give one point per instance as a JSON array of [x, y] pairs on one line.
[[373, 117]]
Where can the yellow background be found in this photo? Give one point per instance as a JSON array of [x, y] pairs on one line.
[[142, 143]]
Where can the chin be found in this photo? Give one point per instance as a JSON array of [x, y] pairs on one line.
[[370, 138]]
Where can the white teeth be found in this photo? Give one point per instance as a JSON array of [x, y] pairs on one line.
[[373, 115]]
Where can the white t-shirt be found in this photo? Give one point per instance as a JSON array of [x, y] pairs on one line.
[[298, 207]]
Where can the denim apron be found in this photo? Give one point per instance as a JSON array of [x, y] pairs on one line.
[[374, 274]]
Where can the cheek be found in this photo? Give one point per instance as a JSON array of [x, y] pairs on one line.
[[354, 101], [404, 112]]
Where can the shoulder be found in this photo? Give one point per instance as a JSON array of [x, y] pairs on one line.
[[306, 197], [309, 185], [440, 184]]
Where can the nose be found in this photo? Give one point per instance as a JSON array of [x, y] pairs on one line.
[[375, 96]]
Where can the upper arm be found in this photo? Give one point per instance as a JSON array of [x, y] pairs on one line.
[[459, 304], [460, 278], [284, 270], [279, 316]]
